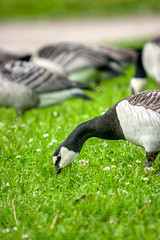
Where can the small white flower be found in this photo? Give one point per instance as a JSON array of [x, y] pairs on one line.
[[145, 179], [55, 114], [127, 183], [138, 161], [23, 125], [1, 124], [18, 156], [113, 166], [30, 140], [129, 165], [106, 169], [38, 150], [54, 141], [6, 230], [113, 160], [45, 135], [59, 127], [50, 144], [25, 236], [81, 160], [111, 221], [15, 228], [146, 169], [7, 184], [124, 191], [14, 126]]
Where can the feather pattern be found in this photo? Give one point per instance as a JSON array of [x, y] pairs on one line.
[[38, 78], [148, 100], [68, 57]]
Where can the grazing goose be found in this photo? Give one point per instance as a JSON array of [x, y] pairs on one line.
[[135, 119], [150, 63], [81, 62], [21, 78]]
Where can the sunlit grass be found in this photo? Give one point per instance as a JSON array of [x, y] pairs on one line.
[[108, 195], [44, 9]]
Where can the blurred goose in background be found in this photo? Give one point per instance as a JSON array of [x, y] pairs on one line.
[[148, 61], [135, 119], [6, 56], [81, 62], [24, 85], [139, 81]]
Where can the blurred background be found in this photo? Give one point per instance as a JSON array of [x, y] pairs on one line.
[[26, 25]]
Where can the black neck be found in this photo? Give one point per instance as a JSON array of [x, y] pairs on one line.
[[139, 69], [106, 127]]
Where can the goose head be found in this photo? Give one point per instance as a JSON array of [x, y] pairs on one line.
[[62, 157]]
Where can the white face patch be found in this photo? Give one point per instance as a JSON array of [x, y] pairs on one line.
[[138, 84], [140, 126], [54, 159], [67, 156]]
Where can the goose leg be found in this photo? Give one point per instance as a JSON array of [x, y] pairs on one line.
[[150, 158]]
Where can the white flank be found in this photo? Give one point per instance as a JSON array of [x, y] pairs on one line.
[[53, 98], [67, 156], [49, 64], [83, 75], [140, 126], [138, 84], [151, 60]]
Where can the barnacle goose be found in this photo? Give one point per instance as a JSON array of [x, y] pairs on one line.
[[135, 119], [24, 85], [82, 62]]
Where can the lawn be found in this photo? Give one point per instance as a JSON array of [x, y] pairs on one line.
[[53, 9], [84, 201]]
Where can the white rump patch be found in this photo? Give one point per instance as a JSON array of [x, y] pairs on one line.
[[140, 126], [67, 156]]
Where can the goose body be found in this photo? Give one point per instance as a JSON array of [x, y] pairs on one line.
[[151, 59], [81, 62], [148, 61], [25, 78], [135, 119]]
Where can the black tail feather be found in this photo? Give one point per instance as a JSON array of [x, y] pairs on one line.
[[84, 96], [25, 58]]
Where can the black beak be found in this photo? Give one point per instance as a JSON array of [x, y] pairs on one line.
[[58, 170], [132, 90]]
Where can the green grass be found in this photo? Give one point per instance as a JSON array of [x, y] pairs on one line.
[[15, 9], [83, 202]]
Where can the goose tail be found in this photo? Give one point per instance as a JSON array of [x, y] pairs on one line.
[[25, 57], [83, 96]]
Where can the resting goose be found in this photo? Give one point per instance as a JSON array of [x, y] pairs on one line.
[[82, 62], [40, 87], [150, 64], [135, 119]]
